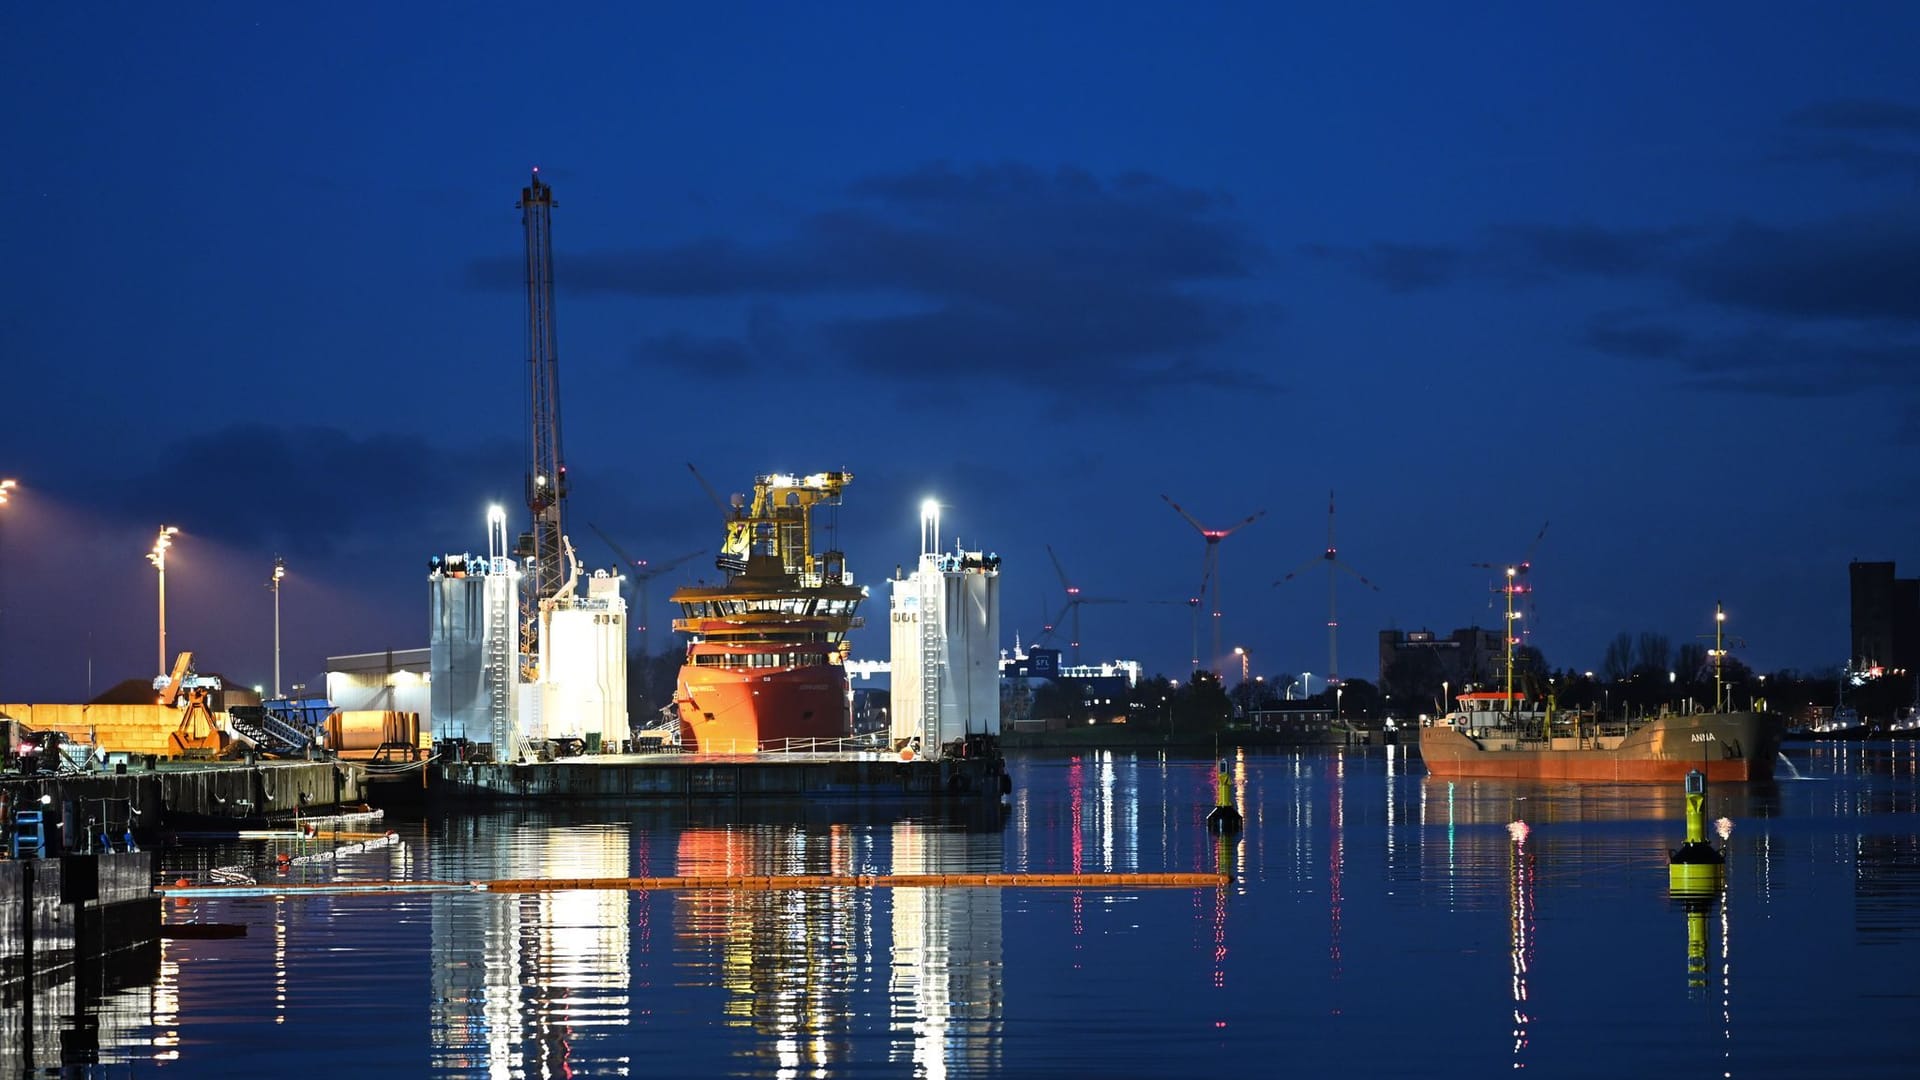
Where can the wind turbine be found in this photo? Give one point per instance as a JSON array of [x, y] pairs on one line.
[[1191, 603], [1074, 600], [1332, 558], [1518, 583], [641, 572], [1210, 565]]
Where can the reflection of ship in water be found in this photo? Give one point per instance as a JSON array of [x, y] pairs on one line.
[[1521, 928], [519, 981], [789, 959], [944, 982]]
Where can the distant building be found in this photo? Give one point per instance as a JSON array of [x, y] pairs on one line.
[[1473, 654], [1886, 618]]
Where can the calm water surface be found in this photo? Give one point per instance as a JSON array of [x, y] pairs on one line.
[[1381, 923]]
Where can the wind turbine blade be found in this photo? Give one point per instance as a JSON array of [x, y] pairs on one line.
[[1251, 518], [1357, 574], [1058, 569], [718, 503], [1302, 568], [1201, 529], [1536, 543]]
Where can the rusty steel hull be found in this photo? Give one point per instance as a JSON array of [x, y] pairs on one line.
[[1727, 747]]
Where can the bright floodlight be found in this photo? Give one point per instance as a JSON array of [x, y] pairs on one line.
[[929, 509], [496, 513]]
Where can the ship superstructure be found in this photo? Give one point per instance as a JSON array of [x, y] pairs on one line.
[[765, 660]]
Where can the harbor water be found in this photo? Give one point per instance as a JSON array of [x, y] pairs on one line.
[[1380, 922]]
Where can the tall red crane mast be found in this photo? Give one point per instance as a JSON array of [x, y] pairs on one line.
[[547, 479]]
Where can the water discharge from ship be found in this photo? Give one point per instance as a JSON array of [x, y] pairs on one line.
[[1793, 773]]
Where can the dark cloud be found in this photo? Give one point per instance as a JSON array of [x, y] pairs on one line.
[[1042, 279], [1761, 360], [715, 357], [765, 343], [1859, 267], [316, 491], [1541, 252], [1871, 139], [1402, 268], [1859, 114], [1864, 266]]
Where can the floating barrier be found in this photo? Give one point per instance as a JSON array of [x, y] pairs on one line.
[[722, 883]]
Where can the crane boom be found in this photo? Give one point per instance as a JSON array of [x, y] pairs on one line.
[[547, 477]]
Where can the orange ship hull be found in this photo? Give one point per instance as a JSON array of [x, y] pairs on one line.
[[739, 712], [1727, 747]]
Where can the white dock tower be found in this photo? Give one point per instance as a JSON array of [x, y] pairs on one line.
[[945, 628]]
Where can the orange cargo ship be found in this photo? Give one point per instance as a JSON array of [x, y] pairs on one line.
[[1494, 735], [765, 666]]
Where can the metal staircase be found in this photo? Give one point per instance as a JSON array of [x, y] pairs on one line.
[[283, 727], [933, 654]]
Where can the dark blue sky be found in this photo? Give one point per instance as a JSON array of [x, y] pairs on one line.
[[1653, 276]]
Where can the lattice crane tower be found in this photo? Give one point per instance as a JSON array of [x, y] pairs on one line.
[[547, 479]]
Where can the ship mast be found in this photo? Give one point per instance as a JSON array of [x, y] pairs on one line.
[[1511, 573], [1719, 651]]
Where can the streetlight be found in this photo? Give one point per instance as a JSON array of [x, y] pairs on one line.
[[279, 571], [158, 557], [5, 486], [1306, 685], [1446, 699]]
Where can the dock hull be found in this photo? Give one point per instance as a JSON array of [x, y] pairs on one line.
[[1728, 747]]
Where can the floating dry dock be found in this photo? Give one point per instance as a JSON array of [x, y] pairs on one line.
[[669, 777]]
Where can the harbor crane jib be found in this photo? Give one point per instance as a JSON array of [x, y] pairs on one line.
[[541, 548]]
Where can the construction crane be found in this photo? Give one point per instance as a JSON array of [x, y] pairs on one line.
[[547, 478], [640, 572], [1331, 557], [1072, 605], [1517, 583], [1210, 565]]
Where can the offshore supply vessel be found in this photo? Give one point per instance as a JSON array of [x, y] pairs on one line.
[[765, 665], [1500, 735]]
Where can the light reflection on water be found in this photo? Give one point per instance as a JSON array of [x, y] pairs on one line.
[[1380, 921]]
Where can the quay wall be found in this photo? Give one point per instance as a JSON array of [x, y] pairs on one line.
[[694, 778], [175, 793]]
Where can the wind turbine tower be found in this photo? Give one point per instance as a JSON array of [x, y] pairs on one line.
[[1332, 558], [1210, 565], [1072, 605]]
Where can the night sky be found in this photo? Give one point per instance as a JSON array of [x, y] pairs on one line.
[[1650, 275]]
